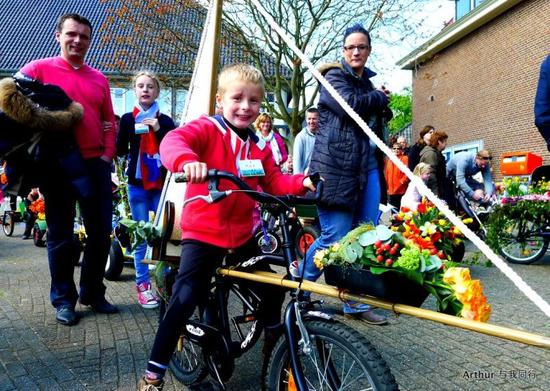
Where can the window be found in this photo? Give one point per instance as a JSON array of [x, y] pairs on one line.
[[470, 146], [463, 7]]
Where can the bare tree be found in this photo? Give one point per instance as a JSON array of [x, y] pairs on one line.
[[316, 27], [166, 33]]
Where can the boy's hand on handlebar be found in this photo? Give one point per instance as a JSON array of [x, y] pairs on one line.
[[196, 172]]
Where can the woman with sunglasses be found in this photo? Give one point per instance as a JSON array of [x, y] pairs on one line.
[[345, 157]]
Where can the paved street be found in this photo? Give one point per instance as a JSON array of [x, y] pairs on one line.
[[109, 352]]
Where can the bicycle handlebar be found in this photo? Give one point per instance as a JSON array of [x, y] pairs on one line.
[[216, 195]]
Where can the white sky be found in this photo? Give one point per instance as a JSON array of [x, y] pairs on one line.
[[395, 79]]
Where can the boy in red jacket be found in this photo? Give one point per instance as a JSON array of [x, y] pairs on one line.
[[223, 142]]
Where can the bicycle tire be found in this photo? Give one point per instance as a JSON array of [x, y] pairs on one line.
[[270, 243], [335, 346], [187, 362], [305, 238], [38, 237], [520, 243], [8, 224]]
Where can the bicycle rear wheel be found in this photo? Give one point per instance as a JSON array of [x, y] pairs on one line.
[[520, 242], [341, 359], [8, 223]]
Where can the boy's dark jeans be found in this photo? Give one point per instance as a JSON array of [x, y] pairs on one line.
[[60, 198], [198, 263]]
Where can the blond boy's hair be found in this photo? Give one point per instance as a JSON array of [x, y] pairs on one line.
[[422, 168], [240, 72], [149, 74]]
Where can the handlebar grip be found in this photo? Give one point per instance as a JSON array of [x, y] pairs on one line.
[[319, 187], [180, 177]]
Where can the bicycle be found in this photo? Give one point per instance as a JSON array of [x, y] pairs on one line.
[[312, 350], [523, 241], [12, 217]]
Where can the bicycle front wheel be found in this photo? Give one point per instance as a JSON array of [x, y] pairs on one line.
[[520, 242], [340, 359]]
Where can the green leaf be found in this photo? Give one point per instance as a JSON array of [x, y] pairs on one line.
[[368, 253], [433, 263], [367, 238], [378, 270], [351, 254], [384, 233]]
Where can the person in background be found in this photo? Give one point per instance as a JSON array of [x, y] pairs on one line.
[[264, 130], [395, 178], [414, 151], [542, 102], [96, 137], [461, 169], [139, 137], [33, 195], [218, 142], [403, 144], [432, 154], [304, 141], [412, 196], [350, 163]]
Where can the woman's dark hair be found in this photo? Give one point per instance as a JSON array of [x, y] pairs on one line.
[[425, 129], [356, 28]]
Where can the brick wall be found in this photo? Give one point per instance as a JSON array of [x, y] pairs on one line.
[[483, 86]]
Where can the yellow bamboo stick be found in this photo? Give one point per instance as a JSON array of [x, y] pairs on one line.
[[328, 290]]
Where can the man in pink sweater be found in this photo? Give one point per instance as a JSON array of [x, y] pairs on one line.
[[95, 136]]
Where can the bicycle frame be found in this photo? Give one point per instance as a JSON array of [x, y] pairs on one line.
[[218, 339]]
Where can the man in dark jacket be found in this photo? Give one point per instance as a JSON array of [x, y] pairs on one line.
[[345, 157], [542, 102]]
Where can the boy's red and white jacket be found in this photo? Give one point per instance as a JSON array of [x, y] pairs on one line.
[[228, 223]]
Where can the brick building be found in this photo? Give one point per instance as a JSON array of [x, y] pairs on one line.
[[477, 78]]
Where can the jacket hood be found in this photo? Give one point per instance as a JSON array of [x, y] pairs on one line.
[[342, 65], [36, 116]]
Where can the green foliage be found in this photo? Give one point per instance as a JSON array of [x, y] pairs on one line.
[[141, 231], [401, 105], [505, 216]]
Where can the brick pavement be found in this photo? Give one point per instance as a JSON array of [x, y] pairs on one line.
[[109, 352]]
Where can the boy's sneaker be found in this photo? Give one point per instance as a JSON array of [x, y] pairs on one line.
[[150, 385], [146, 296]]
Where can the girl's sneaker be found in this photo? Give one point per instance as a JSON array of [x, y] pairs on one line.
[[146, 296]]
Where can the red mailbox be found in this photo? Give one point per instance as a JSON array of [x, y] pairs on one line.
[[519, 163]]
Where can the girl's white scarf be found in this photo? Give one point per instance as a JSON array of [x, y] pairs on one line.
[[270, 138]]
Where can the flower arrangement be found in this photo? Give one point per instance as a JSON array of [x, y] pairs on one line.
[[530, 203], [428, 228], [419, 249], [38, 207]]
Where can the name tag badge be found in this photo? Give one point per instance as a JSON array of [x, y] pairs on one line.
[[251, 167], [141, 128]]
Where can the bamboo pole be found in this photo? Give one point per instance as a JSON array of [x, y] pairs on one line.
[[328, 290]]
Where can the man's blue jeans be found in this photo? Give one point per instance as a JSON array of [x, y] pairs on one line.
[[335, 224], [141, 202], [60, 200]]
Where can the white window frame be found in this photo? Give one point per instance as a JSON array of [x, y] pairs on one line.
[[450, 151]]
